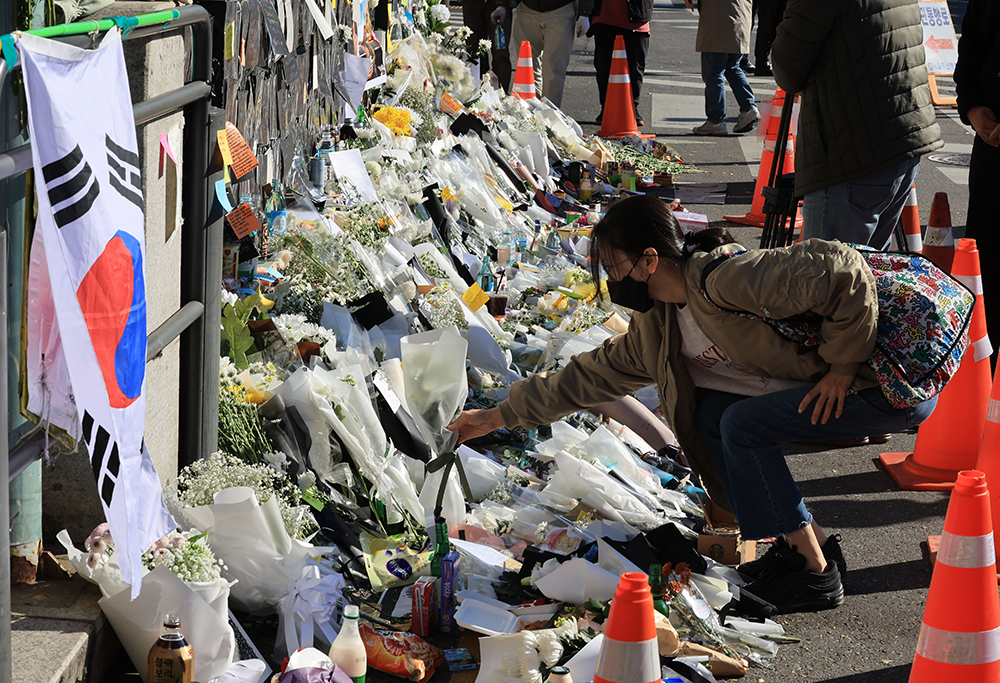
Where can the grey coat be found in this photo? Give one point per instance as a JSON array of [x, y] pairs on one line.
[[866, 105], [724, 26]]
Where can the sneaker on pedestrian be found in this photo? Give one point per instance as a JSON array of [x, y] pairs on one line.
[[711, 128], [747, 120], [790, 587], [754, 569]]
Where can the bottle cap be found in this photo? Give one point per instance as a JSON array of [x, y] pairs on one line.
[[172, 621], [559, 670], [351, 612]]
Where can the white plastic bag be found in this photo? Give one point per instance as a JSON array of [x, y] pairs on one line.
[[434, 383]]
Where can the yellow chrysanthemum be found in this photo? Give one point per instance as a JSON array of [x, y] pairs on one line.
[[396, 120]]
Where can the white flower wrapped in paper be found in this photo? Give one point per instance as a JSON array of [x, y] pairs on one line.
[[203, 608]]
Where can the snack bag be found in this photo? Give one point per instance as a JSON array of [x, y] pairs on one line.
[[401, 654]]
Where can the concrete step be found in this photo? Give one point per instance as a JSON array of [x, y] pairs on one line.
[[60, 635]]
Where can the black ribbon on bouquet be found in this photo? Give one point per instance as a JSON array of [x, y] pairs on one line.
[[447, 461]]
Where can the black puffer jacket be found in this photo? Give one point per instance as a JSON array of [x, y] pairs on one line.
[[977, 74], [866, 105]]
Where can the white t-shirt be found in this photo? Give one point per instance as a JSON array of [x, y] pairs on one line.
[[711, 369]]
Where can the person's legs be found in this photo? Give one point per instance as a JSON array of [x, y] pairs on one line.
[[739, 83], [760, 487], [713, 65], [980, 224], [851, 211], [604, 45], [558, 28], [637, 47], [499, 57]]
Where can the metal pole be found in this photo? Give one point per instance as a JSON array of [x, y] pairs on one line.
[[201, 264], [5, 616]]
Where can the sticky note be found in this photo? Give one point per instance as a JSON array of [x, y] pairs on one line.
[[242, 158], [447, 194], [227, 155], [475, 297], [165, 148], [230, 40], [242, 220]]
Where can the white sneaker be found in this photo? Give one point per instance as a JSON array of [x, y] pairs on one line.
[[747, 120], [709, 128]]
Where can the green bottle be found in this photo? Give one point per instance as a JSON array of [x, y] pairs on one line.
[[441, 545], [656, 586]]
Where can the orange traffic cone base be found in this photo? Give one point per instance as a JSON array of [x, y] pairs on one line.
[[757, 220], [912, 476]]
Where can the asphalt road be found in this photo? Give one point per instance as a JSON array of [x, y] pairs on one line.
[[872, 636]]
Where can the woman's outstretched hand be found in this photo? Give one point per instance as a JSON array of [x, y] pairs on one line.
[[473, 423], [829, 392]]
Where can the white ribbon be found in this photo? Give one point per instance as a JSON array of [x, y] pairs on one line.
[[312, 603]]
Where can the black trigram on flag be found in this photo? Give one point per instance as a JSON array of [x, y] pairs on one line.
[[104, 461], [71, 186], [123, 173]]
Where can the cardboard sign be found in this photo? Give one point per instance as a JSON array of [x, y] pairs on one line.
[[242, 157], [243, 220], [940, 44]]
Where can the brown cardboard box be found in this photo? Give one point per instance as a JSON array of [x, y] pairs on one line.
[[720, 539]]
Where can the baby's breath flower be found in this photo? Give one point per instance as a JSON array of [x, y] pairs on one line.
[[190, 560]]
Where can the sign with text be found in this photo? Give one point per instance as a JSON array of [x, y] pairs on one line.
[[940, 44]]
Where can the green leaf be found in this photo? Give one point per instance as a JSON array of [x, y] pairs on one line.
[[306, 245], [236, 337], [245, 307]]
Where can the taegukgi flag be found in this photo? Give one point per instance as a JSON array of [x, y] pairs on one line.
[[90, 221]]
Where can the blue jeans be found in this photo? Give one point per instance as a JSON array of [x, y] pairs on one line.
[[716, 69], [744, 436], [864, 210]]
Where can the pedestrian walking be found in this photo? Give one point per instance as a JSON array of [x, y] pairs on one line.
[[866, 115], [732, 389], [723, 39], [630, 20], [977, 76], [478, 17], [549, 26]]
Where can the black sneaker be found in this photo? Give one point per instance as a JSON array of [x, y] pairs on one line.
[[756, 568], [790, 587]]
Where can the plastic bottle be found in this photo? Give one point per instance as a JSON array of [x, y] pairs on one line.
[[348, 649], [552, 239], [656, 586], [536, 241], [277, 216], [586, 187], [504, 249], [560, 674], [171, 659], [441, 545]]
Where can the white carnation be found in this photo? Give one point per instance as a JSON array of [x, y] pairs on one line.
[[440, 13]]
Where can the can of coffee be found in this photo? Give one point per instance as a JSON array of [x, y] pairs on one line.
[[317, 172]]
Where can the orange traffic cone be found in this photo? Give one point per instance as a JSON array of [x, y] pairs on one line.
[[989, 454], [629, 653], [950, 439], [911, 222], [524, 77], [619, 110], [939, 243], [960, 633], [756, 216]]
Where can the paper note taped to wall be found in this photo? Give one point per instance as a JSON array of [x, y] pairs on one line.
[[242, 220], [350, 169], [243, 159], [355, 76]]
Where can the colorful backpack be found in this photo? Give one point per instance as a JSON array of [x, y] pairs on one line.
[[923, 323]]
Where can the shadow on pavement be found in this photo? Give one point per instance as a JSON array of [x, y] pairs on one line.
[[860, 482], [878, 512], [888, 578], [896, 674]]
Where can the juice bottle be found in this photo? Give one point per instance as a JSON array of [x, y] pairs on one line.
[[348, 649], [171, 659]]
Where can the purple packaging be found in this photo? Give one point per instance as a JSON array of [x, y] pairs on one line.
[[450, 573]]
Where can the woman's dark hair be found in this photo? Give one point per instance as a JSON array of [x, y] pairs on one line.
[[633, 225]]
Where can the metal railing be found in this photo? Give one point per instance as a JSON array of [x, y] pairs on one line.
[[197, 322]]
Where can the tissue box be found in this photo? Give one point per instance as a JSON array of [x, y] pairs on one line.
[[425, 601], [720, 539], [691, 222]]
